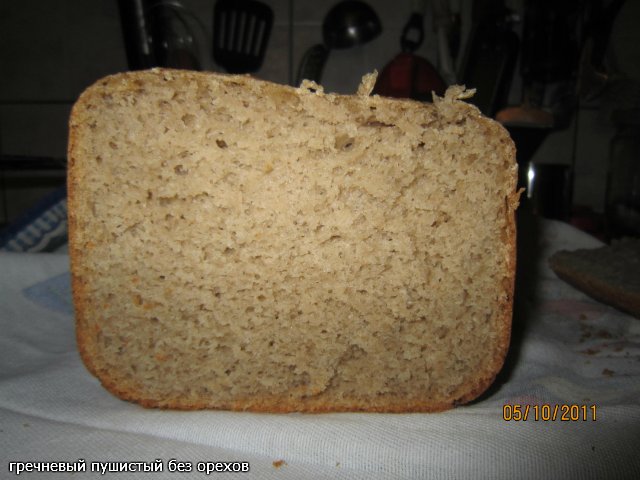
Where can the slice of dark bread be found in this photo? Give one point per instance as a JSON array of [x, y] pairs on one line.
[[610, 274]]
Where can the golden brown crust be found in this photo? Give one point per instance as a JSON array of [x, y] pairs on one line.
[[283, 404], [75, 253], [275, 403]]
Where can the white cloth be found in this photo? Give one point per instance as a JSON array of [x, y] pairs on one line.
[[566, 349]]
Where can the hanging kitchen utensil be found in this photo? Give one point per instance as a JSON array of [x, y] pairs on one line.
[[408, 75], [443, 27], [174, 42], [241, 30], [161, 33], [414, 27], [491, 54], [347, 24], [312, 64]]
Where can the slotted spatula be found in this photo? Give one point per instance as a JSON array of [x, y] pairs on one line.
[[241, 30]]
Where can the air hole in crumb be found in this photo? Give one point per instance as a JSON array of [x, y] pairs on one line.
[[221, 143], [373, 122], [441, 332], [249, 310], [344, 142], [261, 298], [188, 119], [180, 170], [164, 201], [113, 145]]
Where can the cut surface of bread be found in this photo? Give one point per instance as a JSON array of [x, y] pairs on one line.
[[238, 244], [610, 274]]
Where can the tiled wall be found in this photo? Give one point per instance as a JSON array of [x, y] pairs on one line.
[[52, 50], [298, 26], [49, 52]]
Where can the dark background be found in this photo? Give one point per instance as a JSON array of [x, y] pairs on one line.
[[578, 61]]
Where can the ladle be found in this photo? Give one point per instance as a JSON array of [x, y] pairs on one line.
[[347, 24]]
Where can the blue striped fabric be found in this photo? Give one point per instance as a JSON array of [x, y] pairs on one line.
[[42, 228]]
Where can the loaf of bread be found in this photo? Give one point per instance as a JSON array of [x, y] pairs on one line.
[[238, 244]]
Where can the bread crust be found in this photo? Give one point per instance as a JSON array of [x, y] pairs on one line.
[[79, 250], [75, 253]]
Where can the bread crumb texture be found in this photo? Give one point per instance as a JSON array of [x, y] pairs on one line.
[[238, 244]]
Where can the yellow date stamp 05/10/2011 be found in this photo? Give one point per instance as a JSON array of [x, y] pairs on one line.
[[549, 413]]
